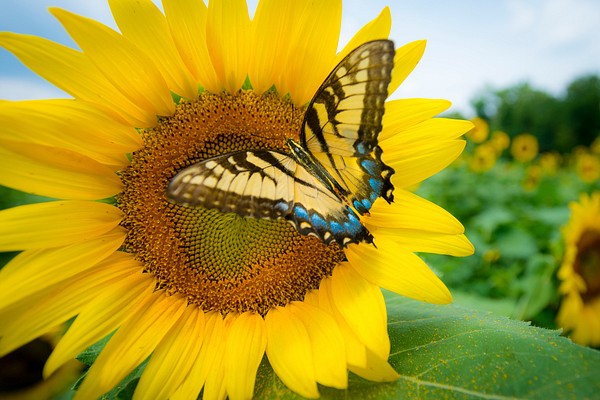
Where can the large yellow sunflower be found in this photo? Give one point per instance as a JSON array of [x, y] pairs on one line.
[[204, 294], [579, 273]]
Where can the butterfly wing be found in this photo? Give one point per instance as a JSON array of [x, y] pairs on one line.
[[268, 184], [250, 183], [343, 121]]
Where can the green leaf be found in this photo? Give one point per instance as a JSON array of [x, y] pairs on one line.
[[448, 352], [12, 198], [504, 306]]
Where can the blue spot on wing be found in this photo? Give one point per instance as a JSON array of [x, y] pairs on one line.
[[341, 225], [361, 149], [370, 166], [301, 213]]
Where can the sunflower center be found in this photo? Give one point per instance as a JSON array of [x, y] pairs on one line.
[[587, 263], [220, 261]]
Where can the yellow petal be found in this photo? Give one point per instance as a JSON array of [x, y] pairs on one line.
[[377, 369], [412, 213], [379, 28], [272, 26], [398, 136], [55, 172], [100, 317], [211, 353], [60, 123], [132, 343], [53, 224], [121, 62], [228, 35], [404, 113], [35, 270], [427, 242], [73, 72], [356, 352], [361, 360], [327, 344], [406, 59], [187, 21], [392, 267], [215, 387], [133, 19], [289, 352], [422, 161], [362, 306], [311, 48], [173, 358], [246, 343], [57, 305]]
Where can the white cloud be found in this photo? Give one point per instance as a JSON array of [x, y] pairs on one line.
[[556, 23]]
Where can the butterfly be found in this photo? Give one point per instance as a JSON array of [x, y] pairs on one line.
[[325, 180]]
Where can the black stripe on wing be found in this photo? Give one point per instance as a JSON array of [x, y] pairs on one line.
[[344, 119]]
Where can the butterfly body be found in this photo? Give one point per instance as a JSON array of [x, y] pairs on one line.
[[333, 174]]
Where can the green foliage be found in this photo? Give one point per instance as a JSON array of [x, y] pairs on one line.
[[582, 111], [560, 123], [516, 233]]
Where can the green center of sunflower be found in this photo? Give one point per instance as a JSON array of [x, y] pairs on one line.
[[220, 261], [587, 262]]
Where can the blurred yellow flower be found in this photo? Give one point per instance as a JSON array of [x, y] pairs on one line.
[[579, 313], [549, 162], [484, 158], [480, 130], [21, 371], [533, 175], [491, 256], [524, 147], [587, 167], [500, 140]]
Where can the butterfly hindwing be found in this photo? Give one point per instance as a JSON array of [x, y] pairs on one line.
[[267, 184], [343, 121]]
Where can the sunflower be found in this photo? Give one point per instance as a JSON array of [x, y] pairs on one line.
[[21, 371], [480, 131], [524, 147], [500, 141], [550, 162], [532, 178], [200, 294], [587, 166], [579, 312], [484, 158]]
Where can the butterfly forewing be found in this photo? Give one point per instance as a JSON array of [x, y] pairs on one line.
[[251, 183], [343, 121]]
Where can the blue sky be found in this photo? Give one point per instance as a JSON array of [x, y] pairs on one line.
[[471, 44]]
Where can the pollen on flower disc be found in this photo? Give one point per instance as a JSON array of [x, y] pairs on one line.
[[220, 261]]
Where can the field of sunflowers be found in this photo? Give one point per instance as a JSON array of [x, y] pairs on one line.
[[527, 213]]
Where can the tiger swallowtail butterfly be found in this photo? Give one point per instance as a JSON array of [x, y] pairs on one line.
[[325, 180]]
